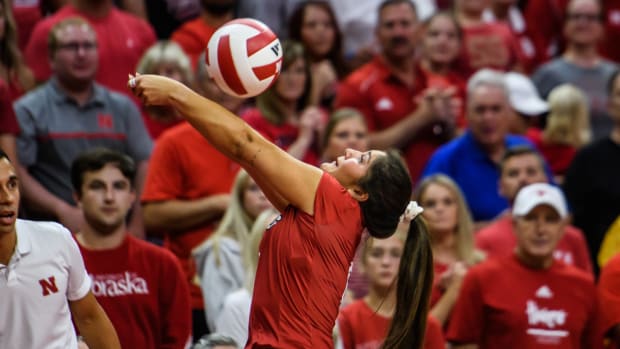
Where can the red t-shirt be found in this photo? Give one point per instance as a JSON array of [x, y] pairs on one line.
[[185, 166], [8, 121], [27, 14], [504, 304], [193, 37], [609, 295], [559, 156], [609, 45], [122, 38], [451, 80], [384, 100], [437, 291], [140, 286], [489, 45], [281, 135], [360, 327], [498, 240], [302, 271]]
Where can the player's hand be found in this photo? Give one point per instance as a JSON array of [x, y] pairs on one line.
[[153, 89]]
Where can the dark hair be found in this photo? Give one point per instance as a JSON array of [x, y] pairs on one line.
[[10, 54], [387, 3], [213, 340], [611, 81], [296, 22], [389, 188], [96, 159], [268, 102], [519, 150]]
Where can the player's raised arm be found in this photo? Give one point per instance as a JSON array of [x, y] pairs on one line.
[[280, 175]]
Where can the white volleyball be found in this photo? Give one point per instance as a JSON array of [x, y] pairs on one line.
[[244, 57]]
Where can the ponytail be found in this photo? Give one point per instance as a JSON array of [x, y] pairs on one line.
[[415, 280]]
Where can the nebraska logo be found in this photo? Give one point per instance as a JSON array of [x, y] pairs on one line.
[[105, 121], [547, 317], [48, 286], [114, 285]]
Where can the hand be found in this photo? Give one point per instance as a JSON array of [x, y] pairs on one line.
[[453, 277], [311, 120], [324, 77], [71, 217], [438, 105], [153, 89]]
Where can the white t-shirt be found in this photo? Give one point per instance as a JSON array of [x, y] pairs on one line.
[[45, 272], [234, 317]]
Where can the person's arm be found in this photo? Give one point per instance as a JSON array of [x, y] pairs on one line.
[[93, 323], [309, 125], [442, 309], [289, 181], [434, 105], [182, 215], [41, 199]]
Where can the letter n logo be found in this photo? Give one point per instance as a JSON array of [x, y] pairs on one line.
[[48, 286]]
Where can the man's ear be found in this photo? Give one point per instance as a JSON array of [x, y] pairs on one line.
[[358, 194]]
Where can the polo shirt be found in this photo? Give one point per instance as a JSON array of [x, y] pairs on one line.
[[45, 272], [55, 130], [465, 161]]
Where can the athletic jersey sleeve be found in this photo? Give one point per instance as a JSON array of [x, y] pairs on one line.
[[79, 282]]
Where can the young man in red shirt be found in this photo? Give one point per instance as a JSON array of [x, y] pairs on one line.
[[140, 286], [528, 299]]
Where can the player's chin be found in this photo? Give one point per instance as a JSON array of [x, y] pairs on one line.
[[328, 166]]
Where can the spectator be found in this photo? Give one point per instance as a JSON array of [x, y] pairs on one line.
[[567, 128], [234, 317], [521, 166], [219, 258], [193, 36], [313, 24], [471, 159], [68, 115], [528, 299], [365, 322], [390, 92], [168, 59], [452, 238], [609, 297], [139, 285], [441, 45], [122, 39], [284, 113], [485, 45], [44, 287], [581, 64], [591, 182]]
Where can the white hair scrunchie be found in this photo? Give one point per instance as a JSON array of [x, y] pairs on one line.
[[411, 212]]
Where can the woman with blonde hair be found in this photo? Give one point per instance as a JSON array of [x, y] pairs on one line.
[[451, 230], [164, 58], [235, 314], [219, 260], [567, 128]]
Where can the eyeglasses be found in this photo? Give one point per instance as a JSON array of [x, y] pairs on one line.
[[588, 17], [76, 46]]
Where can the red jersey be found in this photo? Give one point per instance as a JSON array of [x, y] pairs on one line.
[[360, 327], [281, 135], [8, 121], [122, 38], [384, 100], [504, 304], [140, 286], [185, 166], [609, 47], [609, 295], [498, 240], [437, 291], [302, 271], [193, 37], [490, 45]]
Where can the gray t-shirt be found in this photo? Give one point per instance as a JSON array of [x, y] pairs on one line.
[[55, 130], [592, 81]]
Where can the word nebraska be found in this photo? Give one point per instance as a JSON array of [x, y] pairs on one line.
[[118, 285]]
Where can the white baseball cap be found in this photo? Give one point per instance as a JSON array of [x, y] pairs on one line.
[[524, 96], [539, 194]]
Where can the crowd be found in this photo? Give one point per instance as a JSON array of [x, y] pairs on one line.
[[506, 113]]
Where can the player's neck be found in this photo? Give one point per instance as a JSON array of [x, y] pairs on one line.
[[8, 243], [92, 240], [532, 262], [582, 55], [382, 302]]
